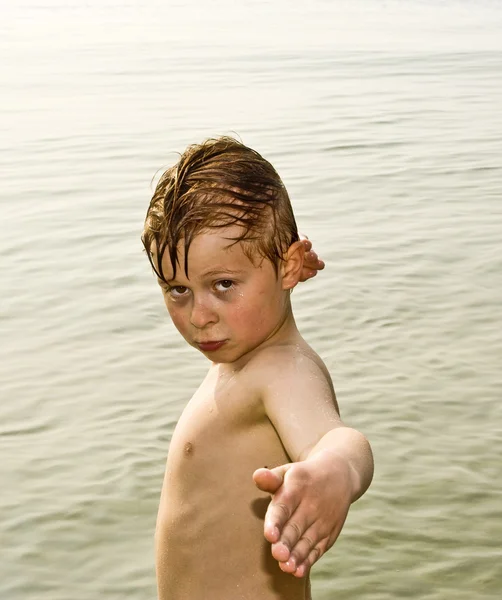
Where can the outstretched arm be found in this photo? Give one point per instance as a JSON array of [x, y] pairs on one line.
[[311, 498], [333, 467]]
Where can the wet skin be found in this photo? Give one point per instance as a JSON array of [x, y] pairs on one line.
[[267, 400]]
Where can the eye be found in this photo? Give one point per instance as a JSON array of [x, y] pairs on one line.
[[178, 290], [175, 291], [224, 285]]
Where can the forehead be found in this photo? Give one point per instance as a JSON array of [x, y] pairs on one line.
[[213, 251]]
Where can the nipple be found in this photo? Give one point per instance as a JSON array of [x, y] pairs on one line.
[[188, 449]]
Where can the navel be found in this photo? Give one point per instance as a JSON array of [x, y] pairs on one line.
[[188, 449]]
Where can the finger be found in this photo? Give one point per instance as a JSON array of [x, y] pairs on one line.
[[281, 554], [314, 555], [300, 550], [268, 480], [311, 258], [307, 274], [317, 551], [278, 513], [312, 261], [291, 533], [302, 236]]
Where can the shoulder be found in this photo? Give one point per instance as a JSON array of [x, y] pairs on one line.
[[296, 394], [287, 365]]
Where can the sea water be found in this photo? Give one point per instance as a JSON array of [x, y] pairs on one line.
[[384, 121]]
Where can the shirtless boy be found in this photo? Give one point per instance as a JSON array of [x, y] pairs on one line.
[[261, 470]]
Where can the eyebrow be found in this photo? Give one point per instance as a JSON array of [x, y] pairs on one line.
[[210, 273], [220, 271]]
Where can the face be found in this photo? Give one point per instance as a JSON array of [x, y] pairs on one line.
[[227, 306]]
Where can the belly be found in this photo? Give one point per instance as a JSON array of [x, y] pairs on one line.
[[209, 536], [218, 552]]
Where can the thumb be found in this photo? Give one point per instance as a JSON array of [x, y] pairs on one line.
[[270, 480]]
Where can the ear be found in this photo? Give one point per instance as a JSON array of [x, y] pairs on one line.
[[292, 265]]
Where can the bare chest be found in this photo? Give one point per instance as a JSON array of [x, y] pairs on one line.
[[222, 437]]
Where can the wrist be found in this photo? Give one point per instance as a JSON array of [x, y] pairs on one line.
[[337, 465]]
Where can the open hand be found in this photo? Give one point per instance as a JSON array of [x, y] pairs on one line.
[[310, 502], [312, 264]]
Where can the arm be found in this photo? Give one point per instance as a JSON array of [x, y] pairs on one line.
[[333, 467], [350, 446]]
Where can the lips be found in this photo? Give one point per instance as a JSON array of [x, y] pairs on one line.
[[210, 346]]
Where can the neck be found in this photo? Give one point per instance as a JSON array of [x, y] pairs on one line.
[[285, 333]]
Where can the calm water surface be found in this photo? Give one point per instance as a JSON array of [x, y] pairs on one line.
[[384, 120]]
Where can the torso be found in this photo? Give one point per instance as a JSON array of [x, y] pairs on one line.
[[209, 538]]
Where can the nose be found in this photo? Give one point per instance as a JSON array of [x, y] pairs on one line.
[[202, 313]]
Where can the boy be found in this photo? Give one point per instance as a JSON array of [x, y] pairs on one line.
[[222, 239]]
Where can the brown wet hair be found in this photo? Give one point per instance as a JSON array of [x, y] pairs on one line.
[[216, 184]]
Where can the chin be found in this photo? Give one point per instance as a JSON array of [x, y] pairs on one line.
[[223, 355]]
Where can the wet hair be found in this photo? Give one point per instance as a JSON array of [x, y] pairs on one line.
[[214, 185]]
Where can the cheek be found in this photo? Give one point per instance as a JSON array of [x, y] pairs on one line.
[[253, 317], [178, 317]]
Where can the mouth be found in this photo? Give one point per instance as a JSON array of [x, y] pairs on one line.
[[210, 346]]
